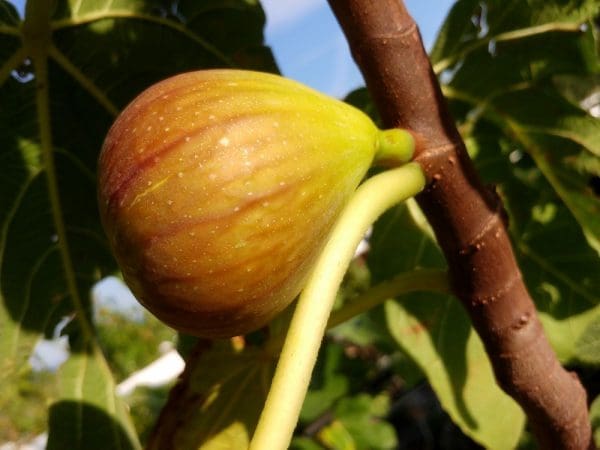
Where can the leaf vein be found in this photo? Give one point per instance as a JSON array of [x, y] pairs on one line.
[[125, 14]]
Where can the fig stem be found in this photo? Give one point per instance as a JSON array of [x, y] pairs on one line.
[[299, 353], [433, 280], [395, 147]]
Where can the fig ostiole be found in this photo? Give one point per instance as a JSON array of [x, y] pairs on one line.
[[219, 188]]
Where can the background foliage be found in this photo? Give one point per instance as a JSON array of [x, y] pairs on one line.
[[522, 80]]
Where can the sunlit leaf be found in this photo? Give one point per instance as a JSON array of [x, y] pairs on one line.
[[435, 331], [512, 83], [354, 412], [588, 345], [218, 399], [100, 420], [336, 436], [472, 25]]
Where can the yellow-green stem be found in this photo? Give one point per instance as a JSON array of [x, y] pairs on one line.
[[416, 280], [292, 376]]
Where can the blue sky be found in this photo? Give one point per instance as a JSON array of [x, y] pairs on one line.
[[309, 45]]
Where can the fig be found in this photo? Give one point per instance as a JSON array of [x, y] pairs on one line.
[[218, 188]]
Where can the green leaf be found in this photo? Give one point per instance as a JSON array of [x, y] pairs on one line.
[[516, 84], [327, 383], [304, 443], [353, 413], [473, 25], [558, 136], [218, 400], [595, 418], [98, 421], [65, 72], [587, 348], [436, 333], [335, 436], [456, 29]]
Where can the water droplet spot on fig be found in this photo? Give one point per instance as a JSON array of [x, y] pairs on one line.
[[250, 194], [211, 117], [180, 174], [282, 183], [167, 128], [178, 108], [169, 202], [265, 204], [149, 128], [224, 141], [161, 118], [187, 139], [149, 183]]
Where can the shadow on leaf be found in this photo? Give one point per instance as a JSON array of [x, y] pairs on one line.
[[96, 430]]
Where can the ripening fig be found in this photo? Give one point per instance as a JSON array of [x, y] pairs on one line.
[[218, 188]]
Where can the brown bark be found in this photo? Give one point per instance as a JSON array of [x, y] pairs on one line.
[[468, 222]]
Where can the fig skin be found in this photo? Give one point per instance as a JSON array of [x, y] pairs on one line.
[[218, 188]]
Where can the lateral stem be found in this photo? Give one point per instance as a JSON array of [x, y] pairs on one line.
[[298, 356]]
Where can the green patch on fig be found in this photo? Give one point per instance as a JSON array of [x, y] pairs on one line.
[[217, 190]]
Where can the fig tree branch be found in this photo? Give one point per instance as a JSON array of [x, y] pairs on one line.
[[468, 220]]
